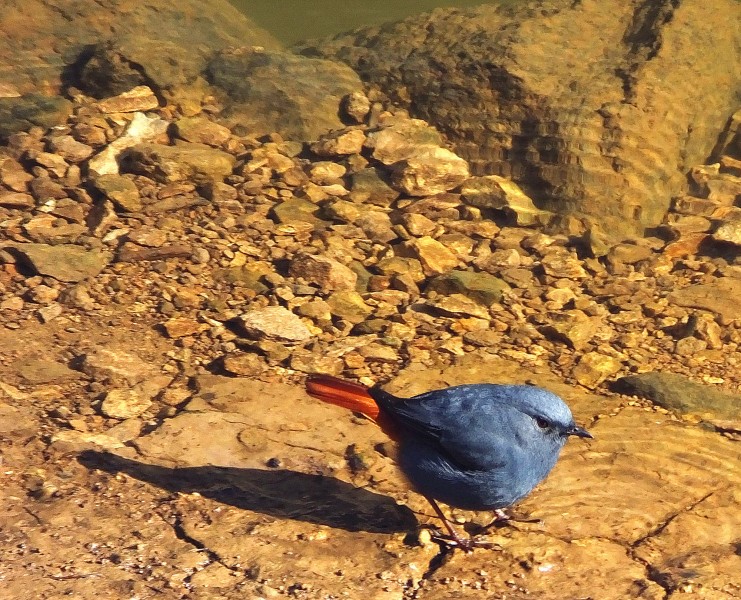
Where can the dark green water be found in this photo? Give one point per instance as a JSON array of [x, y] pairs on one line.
[[294, 20]]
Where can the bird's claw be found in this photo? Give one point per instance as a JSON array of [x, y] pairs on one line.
[[466, 544]]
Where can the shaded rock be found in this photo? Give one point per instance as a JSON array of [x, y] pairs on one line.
[[429, 171], [481, 287], [23, 112], [120, 190], [39, 371], [371, 186], [491, 84], [65, 262], [356, 106], [502, 194], [327, 273], [268, 91], [719, 297], [183, 162], [140, 129], [398, 139], [678, 393], [297, 210], [274, 323]]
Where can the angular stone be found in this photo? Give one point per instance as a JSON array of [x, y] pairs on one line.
[[70, 149], [435, 258], [561, 264], [457, 305], [349, 305], [499, 193], [429, 171], [719, 297], [120, 190], [339, 143], [399, 139], [572, 327], [200, 130], [125, 403], [197, 163], [16, 200], [65, 262], [117, 365], [729, 232], [593, 368], [140, 98], [274, 323], [179, 327], [482, 287], [329, 274], [24, 112]]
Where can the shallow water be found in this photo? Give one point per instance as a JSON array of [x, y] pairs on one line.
[[298, 20]]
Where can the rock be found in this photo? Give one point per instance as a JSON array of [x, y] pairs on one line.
[[511, 110], [244, 364], [370, 185], [50, 312], [138, 99], [297, 211], [572, 327], [435, 258], [65, 262], [339, 143], [120, 190], [719, 297], [183, 162], [265, 91], [23, 112], [502, 194], [330, 275], [356, 106], [200, 130], [729, 232], [43, 371], [326, 172], [678, 393], [481, 287], [398, 139], [593, 368], [16, 200], [125, 403], [274, 323], [109, 364], [429, 171], [179, 327], [140, 129], [70, 149], [561, 264], [457, 305], [348, 305]]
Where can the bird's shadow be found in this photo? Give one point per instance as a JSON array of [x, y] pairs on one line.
[[278, 492]]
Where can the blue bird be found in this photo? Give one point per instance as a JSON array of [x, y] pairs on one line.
[[475, 447]]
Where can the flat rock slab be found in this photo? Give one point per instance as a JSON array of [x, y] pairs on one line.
[[720, 297], [65, 262]]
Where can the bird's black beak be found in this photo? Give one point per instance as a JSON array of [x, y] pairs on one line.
[[579, 432]]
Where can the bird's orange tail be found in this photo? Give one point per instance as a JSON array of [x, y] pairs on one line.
[[346, 394]]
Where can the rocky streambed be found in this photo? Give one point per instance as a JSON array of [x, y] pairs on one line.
[[168, 277]]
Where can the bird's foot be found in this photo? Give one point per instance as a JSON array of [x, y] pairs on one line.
[[503, 518], [467, 544]]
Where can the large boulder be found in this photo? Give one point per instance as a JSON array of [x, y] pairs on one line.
[[594, 108]]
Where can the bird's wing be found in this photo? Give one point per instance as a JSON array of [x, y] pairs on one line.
[[463, 427]]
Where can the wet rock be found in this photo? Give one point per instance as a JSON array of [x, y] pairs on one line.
[[481, 287], [502, 194], [553, 146], [120, 190], [23, 112], [274, 323], [268, 91], [327, 273], [593, 368], [184, 162], [64, 262], [429, 171], [678, 393], [200, 130]]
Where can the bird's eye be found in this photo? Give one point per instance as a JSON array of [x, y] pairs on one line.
[[542, 423]]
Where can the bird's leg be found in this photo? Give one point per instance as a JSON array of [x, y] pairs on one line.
[[467, 544]]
